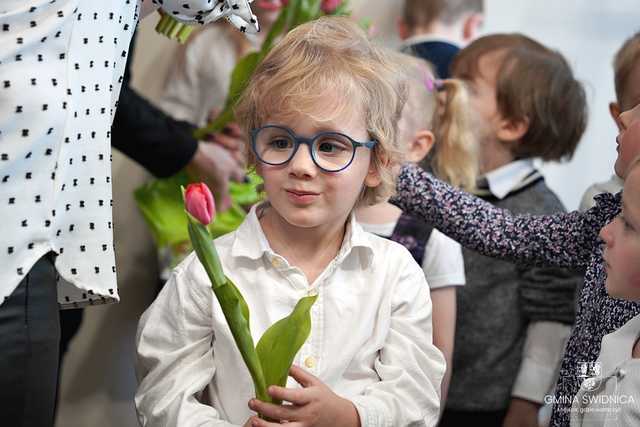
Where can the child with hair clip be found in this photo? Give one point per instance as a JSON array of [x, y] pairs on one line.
[[566, 239], [434, 124], [321, 110], [610, 397]]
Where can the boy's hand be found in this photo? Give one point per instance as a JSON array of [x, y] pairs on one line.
[[522, 413], [315, 405]]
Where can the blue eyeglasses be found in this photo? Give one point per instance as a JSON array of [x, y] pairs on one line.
[[330, 151]]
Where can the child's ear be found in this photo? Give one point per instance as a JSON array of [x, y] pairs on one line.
[[471, 27], [420, 146], [512, 130], [402, 28], [372, 179], [615, 110]]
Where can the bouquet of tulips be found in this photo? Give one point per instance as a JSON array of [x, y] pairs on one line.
[[270, 360]]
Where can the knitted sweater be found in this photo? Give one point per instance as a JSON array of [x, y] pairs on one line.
[[569, 240], [496, 307]]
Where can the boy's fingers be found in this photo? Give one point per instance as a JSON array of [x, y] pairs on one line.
[[296, 396], [275, 412], [304, 378], [257, 422]]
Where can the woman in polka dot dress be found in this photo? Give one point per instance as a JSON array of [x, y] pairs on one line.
[[61, 66]]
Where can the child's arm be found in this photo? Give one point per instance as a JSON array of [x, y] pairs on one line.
[[542, 355], [410, 367], [175, 362], [444, 329], [561, 239]]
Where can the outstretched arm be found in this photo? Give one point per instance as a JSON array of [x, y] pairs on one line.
[[562, 239]]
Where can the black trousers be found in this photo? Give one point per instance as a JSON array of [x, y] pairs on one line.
[[472, 418], [29, 349]]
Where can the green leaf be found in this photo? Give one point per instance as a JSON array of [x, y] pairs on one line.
[[206, 251], [247, 193], [280, 343], [173, 29], [162, 207], [160, 203], [234, 307]]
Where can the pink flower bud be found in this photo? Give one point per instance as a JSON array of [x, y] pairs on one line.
[[329, 6], [199, 202]]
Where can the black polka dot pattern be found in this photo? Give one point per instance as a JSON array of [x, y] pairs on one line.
[[61, 68], [237, 12]]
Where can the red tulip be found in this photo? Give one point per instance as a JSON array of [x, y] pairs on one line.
[[199, 202], [329, 6]]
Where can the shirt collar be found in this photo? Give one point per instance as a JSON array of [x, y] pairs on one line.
[[503, 180], [424, 38], [251, 242], [617, 347]]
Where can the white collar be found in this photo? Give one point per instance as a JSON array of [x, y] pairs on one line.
[[617, 347], [423, 38], [251, 242], [503, 180]]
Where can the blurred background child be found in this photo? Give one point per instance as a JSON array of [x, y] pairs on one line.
[[626, 69], [435, 30], [513, 321], [436, 134]]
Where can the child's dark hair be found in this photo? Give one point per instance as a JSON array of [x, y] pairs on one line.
[[534, 84], [625, 60], [422, 13]]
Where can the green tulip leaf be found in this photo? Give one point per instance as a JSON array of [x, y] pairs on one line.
[[233, 305], [280, 343]]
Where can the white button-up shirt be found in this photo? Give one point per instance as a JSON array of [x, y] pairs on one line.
[[61, 66], [370, 340], [610, 393]]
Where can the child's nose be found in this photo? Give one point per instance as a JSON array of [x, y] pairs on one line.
[[623, 119], [606, 234], [302, 163]]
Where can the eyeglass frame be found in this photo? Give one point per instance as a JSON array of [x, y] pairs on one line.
[[298, 140]]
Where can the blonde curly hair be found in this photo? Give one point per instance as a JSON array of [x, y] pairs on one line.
[[331, 55]]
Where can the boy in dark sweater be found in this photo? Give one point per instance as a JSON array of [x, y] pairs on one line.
[[512, 322], [435, 30]]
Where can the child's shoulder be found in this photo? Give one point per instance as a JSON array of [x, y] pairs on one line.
[[389, 252]]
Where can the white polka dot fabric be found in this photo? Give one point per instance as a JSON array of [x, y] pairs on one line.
[[61, 66]]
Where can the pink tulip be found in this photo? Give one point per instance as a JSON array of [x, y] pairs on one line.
[[329, 6], [199, 202]]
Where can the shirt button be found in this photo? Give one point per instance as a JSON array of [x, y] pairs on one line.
[[310, 362]]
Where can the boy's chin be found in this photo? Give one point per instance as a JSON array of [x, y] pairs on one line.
[[618, 292], [618, 169]]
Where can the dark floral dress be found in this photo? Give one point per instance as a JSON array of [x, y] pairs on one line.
[[564, 240]]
